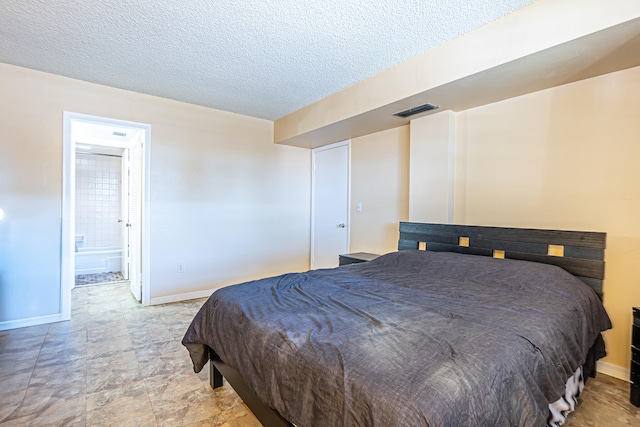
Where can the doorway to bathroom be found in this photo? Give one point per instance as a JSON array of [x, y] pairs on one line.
[[101, 203], [105, 203]]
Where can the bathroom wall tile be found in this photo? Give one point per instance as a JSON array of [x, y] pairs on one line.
[[98, 201]]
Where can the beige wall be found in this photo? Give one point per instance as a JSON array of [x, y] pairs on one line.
[[563, 158], [380, 182], [226, 202], [432, 160]]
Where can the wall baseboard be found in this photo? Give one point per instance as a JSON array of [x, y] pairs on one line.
[[31, 321], [613, 370], [181, 297]]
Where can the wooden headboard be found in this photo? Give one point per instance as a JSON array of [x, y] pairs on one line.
[[580, 253]]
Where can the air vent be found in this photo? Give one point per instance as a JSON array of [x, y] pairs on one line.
[[416, 110], [119, 134]]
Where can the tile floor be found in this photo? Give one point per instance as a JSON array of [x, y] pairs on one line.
[[96, 278], [117, 363]]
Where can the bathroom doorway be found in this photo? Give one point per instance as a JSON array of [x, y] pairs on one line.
[[100, 239], [105, 215]]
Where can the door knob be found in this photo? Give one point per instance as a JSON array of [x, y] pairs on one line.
[[341, 226]]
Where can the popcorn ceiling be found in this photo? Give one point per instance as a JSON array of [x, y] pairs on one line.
[[263, 58]]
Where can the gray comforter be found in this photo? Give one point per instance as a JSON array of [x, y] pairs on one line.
[[412, 338]]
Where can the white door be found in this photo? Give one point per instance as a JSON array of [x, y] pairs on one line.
[[330, 205], [131, 213]]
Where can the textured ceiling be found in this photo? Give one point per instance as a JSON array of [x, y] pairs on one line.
[[263, 58]]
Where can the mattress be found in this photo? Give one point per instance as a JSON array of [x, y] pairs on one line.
[[412, 338]]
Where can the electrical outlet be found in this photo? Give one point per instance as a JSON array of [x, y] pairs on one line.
[[180, 268]]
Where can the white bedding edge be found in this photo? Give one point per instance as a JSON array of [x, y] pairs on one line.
[[561, 408]]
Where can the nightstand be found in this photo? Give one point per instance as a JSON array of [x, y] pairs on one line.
[[635, 358], [356, 257]]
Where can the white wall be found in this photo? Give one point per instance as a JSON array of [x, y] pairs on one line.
[[226, 202], [30, 197]]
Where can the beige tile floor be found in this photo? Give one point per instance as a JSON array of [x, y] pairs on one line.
[[117, 363]]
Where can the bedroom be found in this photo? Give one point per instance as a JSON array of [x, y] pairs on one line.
[[559, 158]]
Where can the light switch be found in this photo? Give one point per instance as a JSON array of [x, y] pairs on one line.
[[359, 207]]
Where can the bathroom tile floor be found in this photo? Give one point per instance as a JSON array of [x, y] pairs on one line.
[[98, 278], [116, 363]]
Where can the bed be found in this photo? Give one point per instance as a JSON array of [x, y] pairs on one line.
[[463, 325]]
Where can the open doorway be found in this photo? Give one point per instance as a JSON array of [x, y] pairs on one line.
[[101, 209], [105, 203]]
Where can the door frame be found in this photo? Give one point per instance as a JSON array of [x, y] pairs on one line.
[[67, 280], [346, 142]]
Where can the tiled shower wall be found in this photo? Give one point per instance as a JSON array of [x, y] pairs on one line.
[[98, 200]]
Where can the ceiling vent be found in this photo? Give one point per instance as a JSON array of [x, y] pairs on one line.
[[417, 110], [119, 134]]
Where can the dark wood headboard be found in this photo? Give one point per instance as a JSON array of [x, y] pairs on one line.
[[580, 253]]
